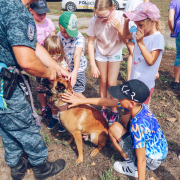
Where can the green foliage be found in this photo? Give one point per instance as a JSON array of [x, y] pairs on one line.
[[46, 139], [57, 30], [108, 175]]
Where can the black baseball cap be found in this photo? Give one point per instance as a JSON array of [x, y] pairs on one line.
[[40, 7], [134, 90]]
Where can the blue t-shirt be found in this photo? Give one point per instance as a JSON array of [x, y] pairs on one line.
[[175, 4], [146, 132], [69, 45]]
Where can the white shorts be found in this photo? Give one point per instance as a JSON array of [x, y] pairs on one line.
[[112, 58]]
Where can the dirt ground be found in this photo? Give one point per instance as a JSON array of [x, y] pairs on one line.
[[165, 105]]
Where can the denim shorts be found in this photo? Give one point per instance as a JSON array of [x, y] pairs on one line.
[[79, 87], [177, 59], [126, 144]]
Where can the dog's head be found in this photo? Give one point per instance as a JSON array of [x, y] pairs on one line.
[[58, 88]]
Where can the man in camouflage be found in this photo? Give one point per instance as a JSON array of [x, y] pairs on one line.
[[17, 125]]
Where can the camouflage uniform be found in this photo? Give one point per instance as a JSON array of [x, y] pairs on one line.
[[17, 126]]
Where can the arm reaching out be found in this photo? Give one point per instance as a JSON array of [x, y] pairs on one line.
[[70, 98]]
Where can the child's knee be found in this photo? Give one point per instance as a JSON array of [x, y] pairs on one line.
[[115, 127]]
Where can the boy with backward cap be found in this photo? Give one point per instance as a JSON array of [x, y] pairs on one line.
[[140, 139]]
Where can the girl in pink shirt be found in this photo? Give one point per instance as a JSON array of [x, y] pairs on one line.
[[106, 27], [45, 28]]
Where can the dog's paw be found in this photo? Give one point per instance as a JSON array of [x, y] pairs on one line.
[[94, 152], [79, 160]]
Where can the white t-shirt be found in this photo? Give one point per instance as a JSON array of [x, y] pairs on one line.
[[69, 45], [131, 6], [140, 69], [108, 41]]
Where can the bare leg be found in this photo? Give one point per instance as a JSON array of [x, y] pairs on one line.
[[130, 46], [102, 66], [113, 71], [176, 73], [42, 99], [116, 131]]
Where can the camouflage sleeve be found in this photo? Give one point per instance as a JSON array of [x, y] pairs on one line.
[[20, 25]]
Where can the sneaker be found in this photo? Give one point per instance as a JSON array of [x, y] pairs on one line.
[[104, 112], [125, 168], [52, 123], [113, 118], [174, 85], [61, 129], [46, 113]]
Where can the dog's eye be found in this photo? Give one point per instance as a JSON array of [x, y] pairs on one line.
[[60, 87]]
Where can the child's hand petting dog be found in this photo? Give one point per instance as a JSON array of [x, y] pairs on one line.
[[71, 98]]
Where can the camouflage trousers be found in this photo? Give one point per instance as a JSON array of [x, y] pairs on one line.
[[19, 132]]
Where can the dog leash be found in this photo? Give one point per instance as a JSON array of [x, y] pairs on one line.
[[34, 113]]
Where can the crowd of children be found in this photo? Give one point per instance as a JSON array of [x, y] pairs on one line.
[[140, 139]]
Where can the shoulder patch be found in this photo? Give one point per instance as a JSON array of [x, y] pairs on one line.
[[30, 31]]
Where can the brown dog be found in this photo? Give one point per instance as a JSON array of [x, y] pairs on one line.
[[79, 120]]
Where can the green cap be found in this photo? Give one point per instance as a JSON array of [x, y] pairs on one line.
[[69, 21]]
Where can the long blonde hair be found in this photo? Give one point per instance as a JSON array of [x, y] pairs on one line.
[[54, 45], [101, 5], [159, 25]]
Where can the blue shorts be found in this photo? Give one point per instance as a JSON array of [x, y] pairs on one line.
[[79, 87], [133, 29], [177, 59], [126, 144]]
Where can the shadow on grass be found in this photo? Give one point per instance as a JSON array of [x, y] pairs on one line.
[[164, 174]]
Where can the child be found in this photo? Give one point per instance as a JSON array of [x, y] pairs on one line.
[[149, 43], [174, 25], [73, 45], [45, 28], [106, 27], [130, 6], [54, 46], [141, 141]]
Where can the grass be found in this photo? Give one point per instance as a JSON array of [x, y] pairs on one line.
[[56, 9], [169, 48], [46, 138], [57, 30], [163, 6], [108, 175]]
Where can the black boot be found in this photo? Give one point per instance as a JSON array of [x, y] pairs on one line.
[[48, 169], [19, 171]]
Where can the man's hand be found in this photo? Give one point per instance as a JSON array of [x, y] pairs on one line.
[[52, 75], [71, 98], [62, 72]]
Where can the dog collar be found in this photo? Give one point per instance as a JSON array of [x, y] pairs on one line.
[[63, 107]]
